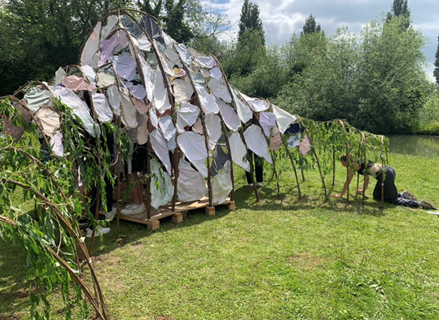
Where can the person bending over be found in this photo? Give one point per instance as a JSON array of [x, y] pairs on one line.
[[384, 174]]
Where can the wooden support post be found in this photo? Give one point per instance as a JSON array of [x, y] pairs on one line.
[[153, 225], [347, 157], [229, 152], [289, 155], [268, 143], [231, 206], [210, 211], [333, 166], [177, 218], [365, 159], [317, 160], [241, 134]]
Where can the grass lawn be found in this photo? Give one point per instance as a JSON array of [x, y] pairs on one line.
[[276, 259]]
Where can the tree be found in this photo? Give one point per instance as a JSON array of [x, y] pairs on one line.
[[400, 9], [146, 6], [436, 64], [311, 26], [250, 20], [40, 36], [175, 24], [43, 35], [375, 80]]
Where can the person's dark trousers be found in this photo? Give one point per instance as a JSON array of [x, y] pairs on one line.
[[258, 166], [391, 194]]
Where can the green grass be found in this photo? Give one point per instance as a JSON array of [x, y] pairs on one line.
[[276, 259]]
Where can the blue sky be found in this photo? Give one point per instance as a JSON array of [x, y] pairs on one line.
[[282, 18]]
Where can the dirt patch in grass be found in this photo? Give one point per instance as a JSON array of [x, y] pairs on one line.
[[163, 318], [305, 261]]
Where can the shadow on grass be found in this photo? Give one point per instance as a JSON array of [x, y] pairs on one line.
[[14, 289]]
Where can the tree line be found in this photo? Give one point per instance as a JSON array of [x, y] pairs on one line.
[[375, 79]]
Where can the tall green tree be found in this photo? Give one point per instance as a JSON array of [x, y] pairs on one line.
[[311, 26], [400, 8], [154, 8], [250, 20], [436, 64], [175, 22]]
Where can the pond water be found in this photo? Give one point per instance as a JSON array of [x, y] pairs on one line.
[[426, 146]]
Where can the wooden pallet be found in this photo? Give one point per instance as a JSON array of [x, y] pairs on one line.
[[180, 212]]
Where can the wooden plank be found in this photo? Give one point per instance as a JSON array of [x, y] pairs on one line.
[[181, 209], [210, 211], [177, 218]]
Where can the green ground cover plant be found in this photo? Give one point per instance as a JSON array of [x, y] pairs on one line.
[[276, 259]]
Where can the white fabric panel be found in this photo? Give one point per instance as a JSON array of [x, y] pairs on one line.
[[294, 140], [140, 106], [284, 119], [148, 73], [205, 73], [167, 67], [60, 74], [244, 113], [267, 121], [167, 127], [143, 43], [56, 144], [213, 126], [239, 151], [182, 90], [49, 120], [230, 117], [105, 79], [125, 66], [128, 109], [158, 143], [168, 40], [184, 53], [208, 102], [198, 127], [191, 185], [108, 47], [206, 62], [222, 184], [137, 91], [154, 119], [187, 114], [216, 73], [102, 107], [172, 143], [114, 99], [257, 105], [37, 98], [111, 22], [256, 142], [193, 146], [90, 73], [220, 90], [69, 98], [173, 57], [91, 46], [142, 133], [161, 97], [162, 193]]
